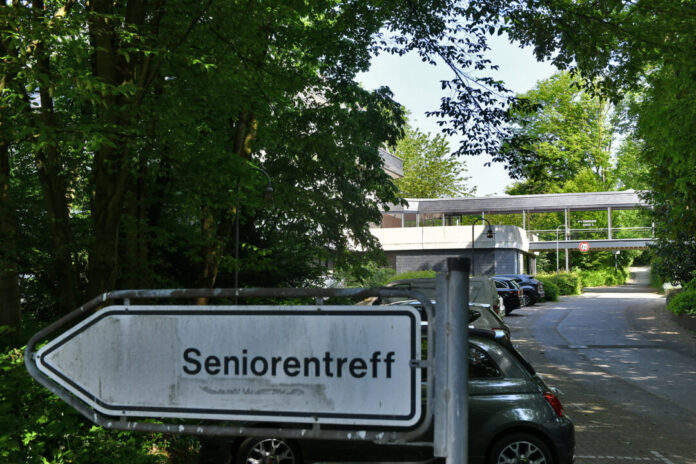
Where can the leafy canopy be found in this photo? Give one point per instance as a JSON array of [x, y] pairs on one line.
[[430, 171]]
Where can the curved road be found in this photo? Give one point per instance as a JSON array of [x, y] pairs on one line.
[[626, 372]]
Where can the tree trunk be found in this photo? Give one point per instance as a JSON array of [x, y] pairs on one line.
[[10, 303], [136, 271], [218, 223], [110, 169], [106, 217], [54, 189]]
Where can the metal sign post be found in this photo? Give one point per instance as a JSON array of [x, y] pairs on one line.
[[451, 363]]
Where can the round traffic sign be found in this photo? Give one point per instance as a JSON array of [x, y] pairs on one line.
[[584, 246]]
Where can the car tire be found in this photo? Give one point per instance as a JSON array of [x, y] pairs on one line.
[[268, 450], [520, 448]]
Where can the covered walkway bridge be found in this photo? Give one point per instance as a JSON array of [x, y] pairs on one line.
[[410, 236]]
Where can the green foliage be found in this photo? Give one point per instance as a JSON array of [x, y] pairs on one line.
[[425, 274], [148, 121], [568, 283], [656, 281], [429, 169], [372, 274], [684, 302], [603, 277], [643, 50], [561, 140], [675, 260], [551, 291], [38, 428]]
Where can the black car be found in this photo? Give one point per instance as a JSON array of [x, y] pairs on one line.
[[514, 417], [511, 293], [533, 289]]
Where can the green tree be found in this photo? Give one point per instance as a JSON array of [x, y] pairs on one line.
[[561, 139], [127, 127], [644, 46], [430, 171]]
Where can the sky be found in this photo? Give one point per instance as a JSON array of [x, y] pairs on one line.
[[416, 85]]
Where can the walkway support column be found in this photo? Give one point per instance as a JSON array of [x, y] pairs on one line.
[[566, 213], [609, 222]]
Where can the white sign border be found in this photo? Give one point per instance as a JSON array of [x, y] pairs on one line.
[[408, 420]]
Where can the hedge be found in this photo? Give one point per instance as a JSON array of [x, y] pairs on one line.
[[572, 283], [38, 428], [683, 302]]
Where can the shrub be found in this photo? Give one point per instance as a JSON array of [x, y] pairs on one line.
[[36, 427], [568, 283], [428, 274], [656, 280], [603, 277], [550, 288], [684, 302]]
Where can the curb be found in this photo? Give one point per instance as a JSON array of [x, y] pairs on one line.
[[687, 322]]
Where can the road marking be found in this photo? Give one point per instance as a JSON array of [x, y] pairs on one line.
[[658, 457], [661, 457]]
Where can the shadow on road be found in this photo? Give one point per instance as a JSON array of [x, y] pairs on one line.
[[622, 289]]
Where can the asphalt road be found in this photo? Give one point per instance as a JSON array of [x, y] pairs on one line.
[[626, 372]]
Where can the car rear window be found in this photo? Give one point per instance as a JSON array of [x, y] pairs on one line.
[[481, 366], [477, 292]]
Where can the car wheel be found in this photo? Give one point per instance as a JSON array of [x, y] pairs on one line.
[[268, 451], [520, 448]]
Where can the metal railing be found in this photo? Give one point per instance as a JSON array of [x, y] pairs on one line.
[[586, 233]]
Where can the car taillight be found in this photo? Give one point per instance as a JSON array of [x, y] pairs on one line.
[[555, 403]]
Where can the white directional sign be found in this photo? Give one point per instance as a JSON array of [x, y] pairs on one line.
[[336, 364]]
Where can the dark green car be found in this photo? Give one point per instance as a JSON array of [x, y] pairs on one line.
[[514, 418]]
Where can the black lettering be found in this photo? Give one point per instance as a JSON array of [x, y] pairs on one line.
[[327, 364], [339, 365], [233, 359], [274, 363], [315, 362], [254, 368], [244, 362], [188, 359], [357, 367], [374, 360], [389, 361], [291, 366], [212, 365]]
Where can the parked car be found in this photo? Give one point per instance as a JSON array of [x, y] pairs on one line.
[[481, 290], [481, 316], [511, 292], [514, 417], [533, 289]]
